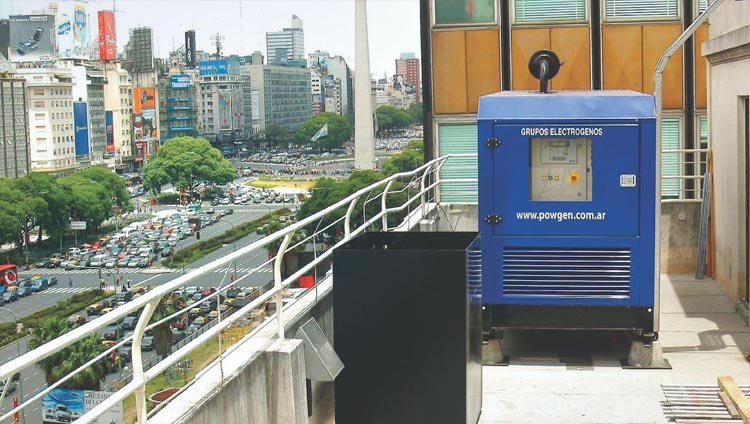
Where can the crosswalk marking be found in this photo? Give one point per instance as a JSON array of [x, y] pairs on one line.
[[55, 290]]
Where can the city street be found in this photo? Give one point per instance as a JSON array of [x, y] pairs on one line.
[[33, 382]]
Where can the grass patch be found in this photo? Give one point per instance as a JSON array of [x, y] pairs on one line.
[[268, 183], [63, 309], [198, 250]]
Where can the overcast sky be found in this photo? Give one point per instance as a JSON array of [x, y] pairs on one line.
[[328, 24]]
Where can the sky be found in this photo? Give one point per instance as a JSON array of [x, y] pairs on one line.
[[393, 25]]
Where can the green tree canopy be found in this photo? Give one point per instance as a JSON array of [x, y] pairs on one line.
[[412, 157], [416, 112], [88, 200], [69, 359], [184, 162], [276, 135], [339, 131], [390, 118], [55, 202], [12, 211]]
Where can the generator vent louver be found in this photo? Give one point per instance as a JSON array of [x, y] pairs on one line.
[[566, 272]]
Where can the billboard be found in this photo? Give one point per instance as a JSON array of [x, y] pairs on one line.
[[237, 112], [190, 49], [107, 37], [81, 126], [225, 110], [255, 104], [144, 98], [67, 405], [219, 67], [72, 30], [32, 38], [179, 81], [109, 123]]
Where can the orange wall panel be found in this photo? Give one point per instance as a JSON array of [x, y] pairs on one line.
[[622, 57], [524, 42], [483, 65], [449, 71], [572, 47], [701, 87], [656, 38]]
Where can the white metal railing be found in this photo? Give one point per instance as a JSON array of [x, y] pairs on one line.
[[683, 172], [421, 187]]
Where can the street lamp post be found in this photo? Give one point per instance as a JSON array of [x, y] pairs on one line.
[[18, 353]]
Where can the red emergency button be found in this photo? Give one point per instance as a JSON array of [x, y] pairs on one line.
[[573, 177]]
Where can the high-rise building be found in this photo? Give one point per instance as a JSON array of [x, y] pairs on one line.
[[139, 52], [286, 45], [221, 104], [118, 110], [338, 67], [318, 93], [4, 37], [408, 67], [282, 94], [88, 87], [14, 135], [51, 125], [177, 104]]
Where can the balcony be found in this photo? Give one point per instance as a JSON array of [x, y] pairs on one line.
[[259, 376]]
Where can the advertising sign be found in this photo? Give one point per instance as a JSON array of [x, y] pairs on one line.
[[81, 125], [225, 110], [109, 123], [144, 98], [255, 104], [219, 67], [32, 38], [107, 37], [77, 225], [150, 124], [237, 112], [67, 405], [72, 30], [190, 49], [179, 81]]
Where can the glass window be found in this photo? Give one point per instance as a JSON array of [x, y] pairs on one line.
[[458, 138], [464, 12], [670, 161], [625, 9], [549, 10]]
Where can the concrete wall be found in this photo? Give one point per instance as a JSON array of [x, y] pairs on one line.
[[679, 237], [728, 53]]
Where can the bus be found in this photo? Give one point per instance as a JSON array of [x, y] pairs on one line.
[[8, 276]]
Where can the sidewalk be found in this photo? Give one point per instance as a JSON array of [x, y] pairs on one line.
[[575, 378]]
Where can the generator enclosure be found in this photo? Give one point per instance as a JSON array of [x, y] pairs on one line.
[[566, 209]]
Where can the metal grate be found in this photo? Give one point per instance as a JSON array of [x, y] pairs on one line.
[[566, 272], [474, 271]]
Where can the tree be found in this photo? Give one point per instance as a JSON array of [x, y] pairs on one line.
[[390, 118], [184, 162], [163, 332], [11, 211], [339, 131], [49, 218], [89, 200], [276, 135], [64, 362], [416, 112], [412, 157]]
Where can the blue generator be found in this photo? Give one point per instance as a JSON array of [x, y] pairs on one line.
[[566, 207]]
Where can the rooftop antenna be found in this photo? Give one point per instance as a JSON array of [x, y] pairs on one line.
[[544, 65], [216, 39]]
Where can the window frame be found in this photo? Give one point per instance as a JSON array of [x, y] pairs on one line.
[[680, 160], [641, 19], [586, 20], [435, 24]]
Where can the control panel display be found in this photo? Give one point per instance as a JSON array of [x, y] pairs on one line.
[[560, 169]]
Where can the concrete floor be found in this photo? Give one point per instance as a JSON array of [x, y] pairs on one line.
[[565, 377]]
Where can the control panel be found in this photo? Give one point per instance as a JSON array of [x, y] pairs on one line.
[[560, 169]]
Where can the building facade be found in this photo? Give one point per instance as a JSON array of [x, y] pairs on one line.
[[221, 105], [283, 96], [408, 67], [286, 45], [338, 68], [118, 107], [727, 50], [51, 126], [14, 133], [605, 44]]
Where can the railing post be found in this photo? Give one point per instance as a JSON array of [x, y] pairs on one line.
[[423, 197], [140, 328], [383, 205], [348, 218], [437, 180], [277, 282]]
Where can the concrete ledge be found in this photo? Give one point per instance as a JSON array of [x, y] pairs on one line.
[[729, 47]]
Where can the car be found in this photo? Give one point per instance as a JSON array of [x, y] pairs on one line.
[[200, 321], [193, 328], [39, 284], [111, 262], [129, 323], [225, 201], [197, 296], [10, 296], [133, 263], [25, 291], [43, 263], [125, 353], [111, 332], [147, 343], [95, 309], [208, 291], [190, 291], [125, 296], [126, 335], [213, 315], [144, 263], [215, 202], [52, 281], [75, 319], [178, 336], [194, 313], [11, 386]]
